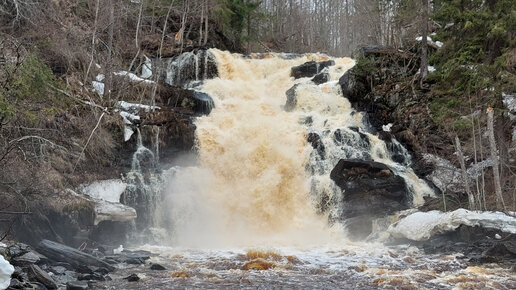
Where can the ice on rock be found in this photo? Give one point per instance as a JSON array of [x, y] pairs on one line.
[[128, 132], [6, 270], [420, 226], [132, 77], [109, 190]]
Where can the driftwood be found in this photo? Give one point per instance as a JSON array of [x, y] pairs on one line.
[[76, 258]]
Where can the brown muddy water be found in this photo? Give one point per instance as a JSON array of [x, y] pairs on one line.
[[355, 266]]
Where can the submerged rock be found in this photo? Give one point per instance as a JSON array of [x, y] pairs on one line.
[[321, 77], [291, 98], [132, 278], [157, 267]]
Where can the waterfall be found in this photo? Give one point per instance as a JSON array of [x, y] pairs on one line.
[[263, 177]]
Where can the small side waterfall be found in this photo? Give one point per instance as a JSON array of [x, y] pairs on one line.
[[144, 185]]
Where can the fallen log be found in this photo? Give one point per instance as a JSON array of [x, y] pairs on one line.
[[61, 253]]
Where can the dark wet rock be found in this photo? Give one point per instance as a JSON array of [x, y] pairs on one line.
[[89, 277], [369, 189], [310, 69], [345, 137], [194, 101], [132, 278], [26, 259], [321, 77], [135, 261], [36, 286], [16, 284], [189, 66], [477, 244], [157, 267], [77, 285], [18, 249], [315, 140], [20, 274], [291, 98], [62, 253], [35, 273]]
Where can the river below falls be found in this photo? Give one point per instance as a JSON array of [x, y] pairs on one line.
[[355, 266]]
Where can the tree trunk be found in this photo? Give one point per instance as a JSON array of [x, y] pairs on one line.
[[424, 43], [109, 66], [471, 198], [494, 157]]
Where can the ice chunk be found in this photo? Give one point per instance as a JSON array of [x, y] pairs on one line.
[[421, 226], [6, 270], [109, 190]]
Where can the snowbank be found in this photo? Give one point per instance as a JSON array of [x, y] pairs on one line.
[[6, 270], [421, 226]]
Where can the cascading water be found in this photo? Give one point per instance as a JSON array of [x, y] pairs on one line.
[[257, 168], [254, 198]]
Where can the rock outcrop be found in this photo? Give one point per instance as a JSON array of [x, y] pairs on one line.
[[370, 190]]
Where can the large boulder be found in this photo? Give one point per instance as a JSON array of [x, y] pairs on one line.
[[188, 67], [198, 103], [369, 189], [310, 69]]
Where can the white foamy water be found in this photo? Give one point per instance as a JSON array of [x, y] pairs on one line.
[[252, 187]]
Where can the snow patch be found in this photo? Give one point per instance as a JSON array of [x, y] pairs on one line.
[[132, 77], [126, 106], [129, 118], [510, 102], [430, 41], [108, 190], [98, 87], [387, 128], [6, 270], [147, 68], [448, 177], [420, 226]]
